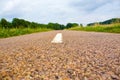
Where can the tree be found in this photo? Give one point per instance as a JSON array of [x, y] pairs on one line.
[[4, 23], [19, 23], [69, 25], [55, 26], [33, 25], [81, 25], [15, 22], [0, 25], [62, 27]]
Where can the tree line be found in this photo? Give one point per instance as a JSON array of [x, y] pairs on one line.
[[21, 23], [110, 21]]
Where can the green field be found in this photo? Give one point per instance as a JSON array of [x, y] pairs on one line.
[[19, 31], [111, 28]]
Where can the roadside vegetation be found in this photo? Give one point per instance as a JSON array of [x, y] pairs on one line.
[[111, 26], [21, 26], [18, 31]]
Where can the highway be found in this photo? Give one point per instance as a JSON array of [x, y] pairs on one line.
[[78, 56]]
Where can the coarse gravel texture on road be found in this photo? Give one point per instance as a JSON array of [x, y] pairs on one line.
[[81, 56]]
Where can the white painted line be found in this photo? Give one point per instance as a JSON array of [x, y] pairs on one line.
[[57, 38]]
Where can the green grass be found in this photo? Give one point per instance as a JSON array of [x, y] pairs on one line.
[[112, 28], [4, 33]]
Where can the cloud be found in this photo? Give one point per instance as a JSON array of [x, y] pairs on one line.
[[10, 9], [61, 11], [10, 5], [99, 10]]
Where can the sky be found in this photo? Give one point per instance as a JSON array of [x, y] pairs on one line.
[[60, 11]]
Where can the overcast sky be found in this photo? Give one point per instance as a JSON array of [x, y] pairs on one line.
[[61, 11]]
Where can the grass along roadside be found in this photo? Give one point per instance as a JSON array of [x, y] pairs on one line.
[[4, 33], [112, 28]]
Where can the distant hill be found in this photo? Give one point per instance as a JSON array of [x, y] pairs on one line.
[[110, 21]]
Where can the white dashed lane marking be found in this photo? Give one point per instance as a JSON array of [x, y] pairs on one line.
[[57, 38]]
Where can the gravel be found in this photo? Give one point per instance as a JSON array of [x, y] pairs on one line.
[[81, 56]]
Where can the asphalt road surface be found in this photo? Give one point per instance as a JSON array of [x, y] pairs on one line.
[[81, 56]]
